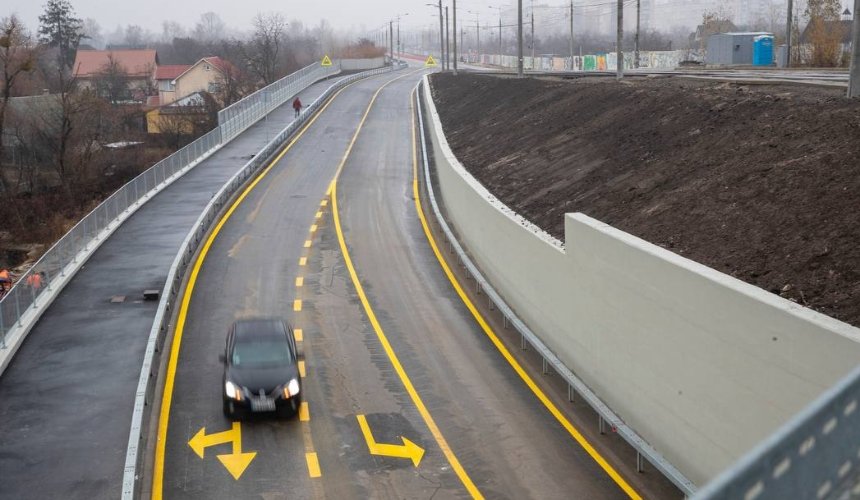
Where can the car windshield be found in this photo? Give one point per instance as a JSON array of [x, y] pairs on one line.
[[262, 352]]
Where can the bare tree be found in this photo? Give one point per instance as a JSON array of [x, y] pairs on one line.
[[265, 46], [112, 81], [17, 56], [171, 30], [92, 33], [824, 32], [135, 37], [209, 28]]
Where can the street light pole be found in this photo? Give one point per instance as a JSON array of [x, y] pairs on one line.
[[447, 64], [441, 34], [571, 35], [455, 37], [619, 40], [520, 38], [636, 39], [788, 32], [854, 82], [391, 39]]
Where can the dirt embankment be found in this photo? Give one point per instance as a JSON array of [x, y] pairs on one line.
[[759, 182]]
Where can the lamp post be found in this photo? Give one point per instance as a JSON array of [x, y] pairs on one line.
[[500, 32]]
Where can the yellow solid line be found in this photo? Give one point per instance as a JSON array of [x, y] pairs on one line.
[[297, 305], [297, 332], [553, 409], [303, 261], [173, 361], [300, 281], [304, 412], [302, 369], [395, 361], [313, 464]]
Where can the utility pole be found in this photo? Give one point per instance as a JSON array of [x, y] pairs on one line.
[[454, 25], [520, 38], [500, 38], [447, 63], [441, 34], [399, 50], [571, 35], [619, 40], [391, 39], [636, 38], [533, 34], [854, 82], [478, 35], [788, 28]]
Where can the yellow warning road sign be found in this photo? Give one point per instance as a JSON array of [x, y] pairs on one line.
[[326, 61], [430, 61]]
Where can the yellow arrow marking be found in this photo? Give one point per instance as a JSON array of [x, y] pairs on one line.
[[235, 462], [408, 449]]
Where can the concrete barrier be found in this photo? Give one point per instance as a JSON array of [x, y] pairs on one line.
[[361, 64], [701, 365]]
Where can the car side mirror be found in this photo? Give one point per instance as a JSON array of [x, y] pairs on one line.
[[222, 358]]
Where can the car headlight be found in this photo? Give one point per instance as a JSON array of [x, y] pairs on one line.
[[233, 391], [292, 389]]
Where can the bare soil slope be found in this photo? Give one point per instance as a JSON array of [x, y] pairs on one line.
[[759, 182]]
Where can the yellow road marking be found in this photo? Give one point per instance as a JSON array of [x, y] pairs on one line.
[[314, 228], [408, 449], [235, 462], [303, 261], [395, 361], [300, 281], [173, 361], [297, 305], [304, 412], [318, 215], [297, 332], [307, 243], [302, 369], [313, 464], [324, 203], [553, 409]]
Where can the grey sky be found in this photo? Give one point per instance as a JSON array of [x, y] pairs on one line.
[[358, 16]]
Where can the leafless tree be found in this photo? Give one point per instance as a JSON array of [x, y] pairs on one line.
[[112, 81], [17, 56], [265, 46], [209, 29]]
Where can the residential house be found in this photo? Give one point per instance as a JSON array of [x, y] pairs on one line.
[[183, 116], [164, 78], [139, 67], [209, 74]]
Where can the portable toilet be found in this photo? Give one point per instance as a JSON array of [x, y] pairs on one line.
[[763, 50]]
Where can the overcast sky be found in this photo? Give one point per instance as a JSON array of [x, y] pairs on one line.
[[360, 16]]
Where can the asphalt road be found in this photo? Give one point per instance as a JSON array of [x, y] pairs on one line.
[[67, 397], [420, 369]]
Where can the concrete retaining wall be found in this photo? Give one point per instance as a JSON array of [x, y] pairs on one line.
[[701, 365], [361, 64]]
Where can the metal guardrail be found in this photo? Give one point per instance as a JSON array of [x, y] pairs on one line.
[[240, 115], [64, 256], [185, 256], [644, 451], [814, 455]]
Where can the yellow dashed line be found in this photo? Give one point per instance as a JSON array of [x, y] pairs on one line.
[[318, 215], [304, 412], [300, 281], [302, 368], [297, 332], [313, 464], [308, 243], [314, 228], [303, 261], [297, 305], [324, 203]]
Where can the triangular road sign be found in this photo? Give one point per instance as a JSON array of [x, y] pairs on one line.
[[430, 61], [326, 61]]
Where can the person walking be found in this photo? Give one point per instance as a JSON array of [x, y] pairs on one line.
[[297, 106]]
